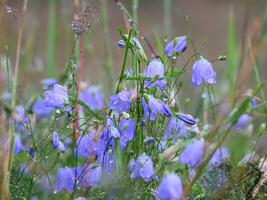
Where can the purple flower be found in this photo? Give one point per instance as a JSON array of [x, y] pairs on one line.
[[31, 152], [126, 129], [134, 41], [121, 101], [41, 110], [55, 140], [125, 132], [178, 45], [93, 97], [193, 153], [142, 168], [187, 118], [21, 119], [113, 132], [219, 156], [105, 134], [202, 72], [49, 82], [149, 140], [121, 44], [253, 102], [18, 146], [6, 96], [243, 122], [65, 179], [87, 146], [57, 144], [57, 97], [89, 177], [155, 106], [155, 70], [61, 147], [107, 160], [170, 187], [176, 128]]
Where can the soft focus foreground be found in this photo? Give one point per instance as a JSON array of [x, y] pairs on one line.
[[144, 115]]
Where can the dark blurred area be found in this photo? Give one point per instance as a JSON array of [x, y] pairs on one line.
[[206, 23]]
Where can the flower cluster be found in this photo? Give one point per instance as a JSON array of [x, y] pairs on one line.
[[141, 136]]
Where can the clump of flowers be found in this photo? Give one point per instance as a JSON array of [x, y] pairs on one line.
[[138, 143]]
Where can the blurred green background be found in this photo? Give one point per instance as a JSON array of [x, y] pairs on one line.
[[205, 20]]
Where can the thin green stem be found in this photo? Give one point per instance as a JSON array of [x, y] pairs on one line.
[[124, 61]]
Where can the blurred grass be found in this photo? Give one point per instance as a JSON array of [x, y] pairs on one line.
[[108, 66], [232, 54], [51, 39]]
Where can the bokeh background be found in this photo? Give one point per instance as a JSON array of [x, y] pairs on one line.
[[204, 20]]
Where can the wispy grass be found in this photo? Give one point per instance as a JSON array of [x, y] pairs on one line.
[[108, 65], [52, 39], [232, 54], [167, 19]]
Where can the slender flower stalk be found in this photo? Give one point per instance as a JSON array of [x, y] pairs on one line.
[[124, 61]]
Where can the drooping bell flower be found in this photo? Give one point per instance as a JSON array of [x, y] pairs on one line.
[[87, 146], [93, 97], [56, 97], [177, 45], [65, 179], [126, 129], [243, 122], [40, 110], [202, 72], [170, 187], [193, 153], [219, 156], [176, 128], [21, 119], [6, 96], [107, 160], [88, 176], [253, 102], [49, 82], [61, 147], [31, 152], [135, 44], [121, 44], [154, 106], [55, 140], [142, 168], [121, 101], [105, 136], [149, 140], [18, 145], [187, 118], [113, 132], [155, 70], [57, 144]]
